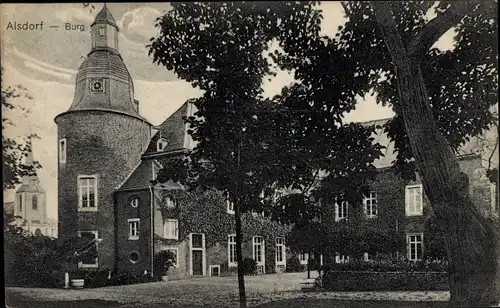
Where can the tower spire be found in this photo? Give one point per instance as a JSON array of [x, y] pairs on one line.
[[29, 155]]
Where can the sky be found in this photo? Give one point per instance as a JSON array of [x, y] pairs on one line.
[[46, 61]]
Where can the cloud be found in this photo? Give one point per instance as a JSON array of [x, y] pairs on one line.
[[74, 14], [46, 71], [139, 22], [41, 63]]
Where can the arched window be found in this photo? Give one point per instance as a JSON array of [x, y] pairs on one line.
[[38, 232], [34, 202]]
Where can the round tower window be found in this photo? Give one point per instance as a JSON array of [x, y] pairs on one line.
[[135, 201], [134, 257]]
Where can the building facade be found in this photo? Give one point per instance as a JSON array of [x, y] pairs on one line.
[[109, 157], [30, 205]]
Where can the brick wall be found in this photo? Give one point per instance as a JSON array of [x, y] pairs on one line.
[[126, 246], [103, 143]]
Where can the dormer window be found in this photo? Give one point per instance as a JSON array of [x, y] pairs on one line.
[[161, 144]]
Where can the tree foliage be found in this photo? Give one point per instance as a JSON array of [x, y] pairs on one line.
[[245, 142], [461, 82], [14, 150]]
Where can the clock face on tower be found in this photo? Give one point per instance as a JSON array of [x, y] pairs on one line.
[[97, 85]]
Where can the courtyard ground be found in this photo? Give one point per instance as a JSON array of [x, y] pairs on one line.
[[277, 290]]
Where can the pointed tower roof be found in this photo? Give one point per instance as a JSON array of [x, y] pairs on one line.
[[105, 17], [30, 183]]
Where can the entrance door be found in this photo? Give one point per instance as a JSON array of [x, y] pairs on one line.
[[197, 262]]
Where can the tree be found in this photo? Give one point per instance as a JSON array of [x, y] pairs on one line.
[[13, 150], [246, 143], [441, 99]]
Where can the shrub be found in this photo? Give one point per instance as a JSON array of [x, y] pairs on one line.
[[388, 266], [163, 261], [293, 265], [249, 266]]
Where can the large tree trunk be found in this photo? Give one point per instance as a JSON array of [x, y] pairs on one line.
[[471, 241], [239, 257]]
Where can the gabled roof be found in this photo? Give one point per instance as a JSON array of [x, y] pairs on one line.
[[173, 131]]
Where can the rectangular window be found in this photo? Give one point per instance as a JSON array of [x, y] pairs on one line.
[[133, 229], [258, 249], [370, 205], [413, 200], [231, 250], [87, 192], [229, 206], [341, 210], [171, 229], [415, 246], [366, 257], [102, 31], [280, 251], [62, 150], [197, 240], [20, 203], [88, 253], [341, 258], [303, 257], [155, 168]]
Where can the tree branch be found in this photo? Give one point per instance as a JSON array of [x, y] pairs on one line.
[[435, 28], [392, 38]]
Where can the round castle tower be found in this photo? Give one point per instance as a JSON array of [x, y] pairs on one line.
[[100, 141]]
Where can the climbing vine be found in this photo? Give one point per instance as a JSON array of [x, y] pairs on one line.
[[206, 212]]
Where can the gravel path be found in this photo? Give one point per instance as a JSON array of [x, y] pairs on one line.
[[218, 291]]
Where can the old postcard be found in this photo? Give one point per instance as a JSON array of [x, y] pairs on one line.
[[250, 154]]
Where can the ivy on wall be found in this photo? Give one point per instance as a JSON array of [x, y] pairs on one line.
[[205, 212]]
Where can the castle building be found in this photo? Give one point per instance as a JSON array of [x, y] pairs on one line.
[[109, 157], [30, 205]]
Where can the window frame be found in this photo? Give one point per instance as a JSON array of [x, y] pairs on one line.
[[132, 199], [163, 143], [165, 233], [303, 258], [369, 201], [34, 202], [345, 212], [231, 246], [230, 206], [81, 177], [96, 236], [130, 223], [409, 244], [261, 244], [20, 203], [138, 256], [408, 199], [280, 245], [63, 145]]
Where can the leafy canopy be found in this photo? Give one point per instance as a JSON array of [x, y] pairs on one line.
[[14, 150], [245, 142]]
